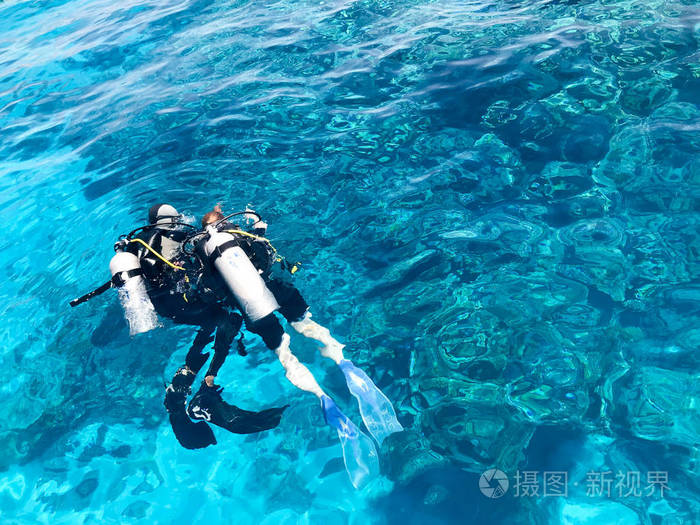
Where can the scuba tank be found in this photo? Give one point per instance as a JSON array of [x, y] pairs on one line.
[[165, 217], [169, 248], [127, 276], [241, 277]]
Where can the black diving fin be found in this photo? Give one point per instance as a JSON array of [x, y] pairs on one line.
[[189, 434], [208, 405]]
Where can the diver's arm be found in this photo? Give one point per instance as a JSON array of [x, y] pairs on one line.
[[206, 283], [135, 247], [215, 365], [259, 226], [227, 327]]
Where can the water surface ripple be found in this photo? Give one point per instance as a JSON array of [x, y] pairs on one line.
[[496, 204]]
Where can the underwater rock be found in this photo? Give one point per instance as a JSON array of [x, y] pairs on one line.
[[408, 456], [657, 404], [498, 114], [536, 133], [470, 423], [680, 303], [137, 510], [628, 162], [32, 392], [561, 180], [495, 166], [642, 94], [521, 299], [436, 495], [588, 139], [596, 93], [581, 512], [651, 258], [497, 237], [405, 271], [86, 487], [542, 403], [442, 141], [602, 267], [603, 232], [681, 234], [677, 112]]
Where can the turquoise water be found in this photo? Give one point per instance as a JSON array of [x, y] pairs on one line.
[[496, 207]]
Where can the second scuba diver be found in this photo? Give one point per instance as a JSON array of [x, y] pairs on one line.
[[258, 298], [231, 268]]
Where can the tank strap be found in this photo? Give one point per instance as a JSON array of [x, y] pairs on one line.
[[120, 278], [219, 250]]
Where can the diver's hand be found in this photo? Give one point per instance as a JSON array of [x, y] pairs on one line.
[[209, 380]]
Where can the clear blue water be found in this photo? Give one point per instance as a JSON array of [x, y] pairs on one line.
[[496, 204]]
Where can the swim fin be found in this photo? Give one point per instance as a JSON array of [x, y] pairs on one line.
[[189, 434], [359, 453], [376, 410], [208, 405]]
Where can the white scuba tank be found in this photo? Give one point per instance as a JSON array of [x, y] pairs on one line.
[[241, 277], [133, 296], [169, 248]]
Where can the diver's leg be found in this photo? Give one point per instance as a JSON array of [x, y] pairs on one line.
[[296, 311], [179, 387], [188, 433], [361, 460], [194, 360], [376, 410], [332, 349], [196, 357], [274, 337], [208, 405]]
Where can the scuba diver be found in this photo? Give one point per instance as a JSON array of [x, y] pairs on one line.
[[232, 268], [244, 261], [152, 274]]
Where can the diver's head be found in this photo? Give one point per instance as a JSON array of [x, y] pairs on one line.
[[162, 214], [211, 217]]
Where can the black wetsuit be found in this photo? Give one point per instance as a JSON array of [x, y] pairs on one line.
[[174, 295], [199, 297]]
